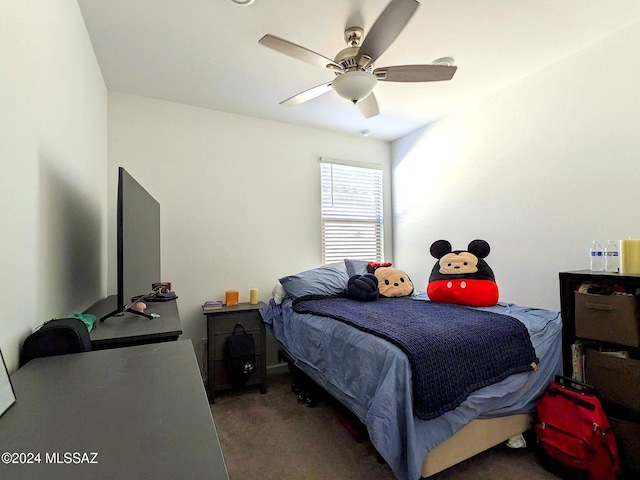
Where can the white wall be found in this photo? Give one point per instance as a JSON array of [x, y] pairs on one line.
[[239, 196], [53, 149], [538, 170]]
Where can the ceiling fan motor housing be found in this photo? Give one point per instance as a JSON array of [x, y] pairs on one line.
[[347, 58]]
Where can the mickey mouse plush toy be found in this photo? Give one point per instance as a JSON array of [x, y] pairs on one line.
[[462, 277]]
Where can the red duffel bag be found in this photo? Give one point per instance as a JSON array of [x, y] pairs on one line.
[[573, 432]]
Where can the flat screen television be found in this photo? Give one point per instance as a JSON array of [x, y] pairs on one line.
[[138, 240]]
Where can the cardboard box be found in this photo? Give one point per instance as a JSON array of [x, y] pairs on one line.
[[608, 318], [616, 379]]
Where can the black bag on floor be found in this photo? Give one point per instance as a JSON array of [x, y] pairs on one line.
[[240, 356], [59, 336]]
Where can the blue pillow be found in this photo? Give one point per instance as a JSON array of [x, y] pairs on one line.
[[356, 267], [317, 281]]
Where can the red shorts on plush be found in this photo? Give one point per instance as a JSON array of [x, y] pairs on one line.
[[475, 293]]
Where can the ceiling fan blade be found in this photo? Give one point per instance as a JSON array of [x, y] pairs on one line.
[[296, 51], [386, 28], [369, 106], [415, 73], [307, 95]]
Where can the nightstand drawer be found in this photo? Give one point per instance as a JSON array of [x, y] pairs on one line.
[[225, 323]]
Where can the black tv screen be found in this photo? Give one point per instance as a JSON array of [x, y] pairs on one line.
[[138, 239]]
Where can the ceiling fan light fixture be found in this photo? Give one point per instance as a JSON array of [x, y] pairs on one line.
[[355, 85], [447, 61], [243, 3]]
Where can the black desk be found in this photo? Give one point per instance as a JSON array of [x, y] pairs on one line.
[[130, 329], [142, 409]]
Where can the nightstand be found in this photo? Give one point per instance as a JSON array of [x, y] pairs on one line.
[[220, 324]]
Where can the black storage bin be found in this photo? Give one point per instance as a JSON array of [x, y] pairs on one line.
[[627, 433]]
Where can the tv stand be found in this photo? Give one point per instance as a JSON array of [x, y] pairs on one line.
[[129, 307], [114, 313], [120, 313], [126, 328]]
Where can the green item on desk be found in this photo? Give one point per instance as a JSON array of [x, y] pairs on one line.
[[87, 318]]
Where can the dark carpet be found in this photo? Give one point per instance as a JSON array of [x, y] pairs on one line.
[[274, 437]]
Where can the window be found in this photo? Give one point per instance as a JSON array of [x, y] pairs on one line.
[[352, 212]]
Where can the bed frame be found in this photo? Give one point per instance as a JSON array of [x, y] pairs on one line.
[[473, 438], [476, 437]]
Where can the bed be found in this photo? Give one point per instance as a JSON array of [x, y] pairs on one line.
[[373, 377]]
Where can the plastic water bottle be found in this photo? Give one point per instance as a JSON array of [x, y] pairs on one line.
[[611, 259], [597, 258]]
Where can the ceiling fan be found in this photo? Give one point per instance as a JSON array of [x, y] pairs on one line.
[[354, 66]]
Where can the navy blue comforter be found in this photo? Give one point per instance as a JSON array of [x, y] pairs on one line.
[[453, 350]]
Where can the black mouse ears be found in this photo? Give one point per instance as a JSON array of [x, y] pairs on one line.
[[440, 248], [480, 248]]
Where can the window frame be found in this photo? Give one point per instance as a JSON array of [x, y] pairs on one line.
[[365, 216]]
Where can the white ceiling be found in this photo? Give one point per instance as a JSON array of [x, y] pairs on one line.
[[206, 53]]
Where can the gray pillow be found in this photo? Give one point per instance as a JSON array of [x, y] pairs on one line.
[[317, 281], [356, 267]]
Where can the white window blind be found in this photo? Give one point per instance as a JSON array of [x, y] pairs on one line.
[[352, 213]]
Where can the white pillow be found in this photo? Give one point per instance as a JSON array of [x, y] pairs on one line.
[[278, 293]]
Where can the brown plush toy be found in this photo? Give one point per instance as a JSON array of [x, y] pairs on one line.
[[392, 282]]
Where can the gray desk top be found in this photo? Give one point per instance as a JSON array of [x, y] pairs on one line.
[[142, 409], [131, 328]]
